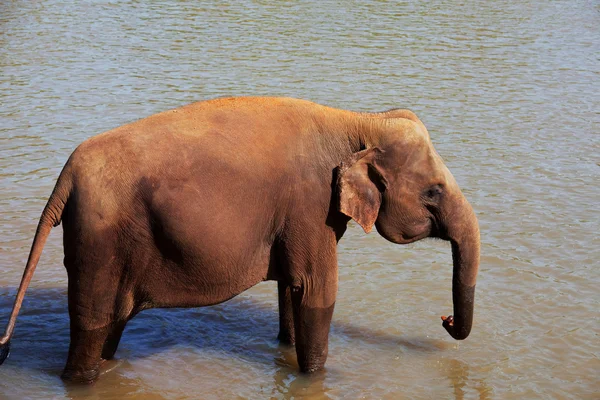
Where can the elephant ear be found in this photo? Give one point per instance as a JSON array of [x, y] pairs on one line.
[[360, 185]]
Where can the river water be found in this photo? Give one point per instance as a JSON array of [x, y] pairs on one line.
[[510, 92]]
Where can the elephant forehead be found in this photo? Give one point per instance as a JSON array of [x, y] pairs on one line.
[[416, 165], [409, 130], [402, 153]]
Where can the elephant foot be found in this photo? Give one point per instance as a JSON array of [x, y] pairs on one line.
[[86, 377], [312, 368], [4, 351], [286, 339]]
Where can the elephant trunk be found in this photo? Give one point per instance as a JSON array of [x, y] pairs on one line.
[[463, 233]]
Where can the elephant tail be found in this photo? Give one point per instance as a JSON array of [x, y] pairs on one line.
[[51, 217]]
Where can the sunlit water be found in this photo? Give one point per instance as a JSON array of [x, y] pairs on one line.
[[510, 92]]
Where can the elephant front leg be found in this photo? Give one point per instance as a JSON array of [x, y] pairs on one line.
[[286, 314], [311, 274], [313, 310]]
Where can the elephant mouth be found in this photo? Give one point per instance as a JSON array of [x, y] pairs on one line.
[[406, 239], [436, 230], [415, 233]]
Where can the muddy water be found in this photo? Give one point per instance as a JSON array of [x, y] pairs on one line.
[[510, 92]]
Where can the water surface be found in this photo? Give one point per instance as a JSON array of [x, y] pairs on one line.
[[510, 92]]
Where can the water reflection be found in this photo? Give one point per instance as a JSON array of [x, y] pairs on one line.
[[289, 384], [458, 375], [125, 388]]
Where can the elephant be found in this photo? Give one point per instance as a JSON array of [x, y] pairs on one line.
[[190, 207]]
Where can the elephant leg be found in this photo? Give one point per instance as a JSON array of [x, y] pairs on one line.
[[85, 350], [112, 341], [312, 321], [92, 317], [313, 279], [286, 314]]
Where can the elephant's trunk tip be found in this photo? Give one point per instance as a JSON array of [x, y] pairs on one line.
[[457, 334], [4, 350]]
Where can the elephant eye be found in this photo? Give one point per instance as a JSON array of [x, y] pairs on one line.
[[434, 192]]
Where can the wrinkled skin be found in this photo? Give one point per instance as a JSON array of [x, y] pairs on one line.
[[193, 206]]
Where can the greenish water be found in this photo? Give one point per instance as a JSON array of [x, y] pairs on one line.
[[510, 92]]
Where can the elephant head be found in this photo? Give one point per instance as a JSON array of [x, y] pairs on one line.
[[400, 184]]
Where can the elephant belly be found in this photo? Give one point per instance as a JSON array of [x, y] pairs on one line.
[[202, 258], [200, 279]]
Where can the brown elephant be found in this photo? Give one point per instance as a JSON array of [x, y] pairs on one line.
[[192, 206]]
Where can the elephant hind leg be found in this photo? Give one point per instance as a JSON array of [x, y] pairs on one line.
[[83, 362], [90, 346], [112, 341], [286, 315]]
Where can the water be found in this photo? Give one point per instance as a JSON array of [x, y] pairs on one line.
[[510, 93]]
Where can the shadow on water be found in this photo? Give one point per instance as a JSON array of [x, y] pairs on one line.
[[243, 328]]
